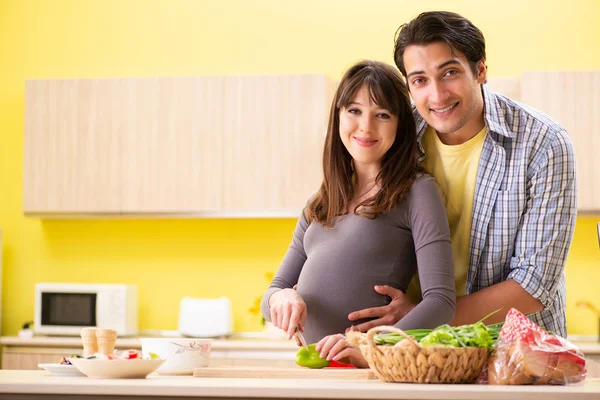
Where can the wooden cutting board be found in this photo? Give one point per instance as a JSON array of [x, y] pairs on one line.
[[284, 373]]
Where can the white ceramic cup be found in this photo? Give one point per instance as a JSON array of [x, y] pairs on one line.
[[181, 355]]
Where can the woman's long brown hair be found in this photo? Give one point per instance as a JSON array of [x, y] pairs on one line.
[[399, 166]]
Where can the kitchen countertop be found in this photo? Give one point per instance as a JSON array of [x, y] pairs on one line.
[[39, 384], [588, 348]]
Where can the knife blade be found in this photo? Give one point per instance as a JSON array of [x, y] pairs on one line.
[[301, 338]]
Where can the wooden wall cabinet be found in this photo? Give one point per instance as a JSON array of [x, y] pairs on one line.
[[247, 146], [206, 146], [573, 99], [72, 151]]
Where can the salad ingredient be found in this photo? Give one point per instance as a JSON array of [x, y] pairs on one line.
[[474, 335], [129, 355], [310, 357], [65, 360], [393, 338]]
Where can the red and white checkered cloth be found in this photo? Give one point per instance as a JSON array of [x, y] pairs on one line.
[[517, 327]]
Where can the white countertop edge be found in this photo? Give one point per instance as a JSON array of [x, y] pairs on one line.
[[587, 347], [217, 344], [39, 382], [584, 338]]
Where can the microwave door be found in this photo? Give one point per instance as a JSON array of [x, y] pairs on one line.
[[75, 310]]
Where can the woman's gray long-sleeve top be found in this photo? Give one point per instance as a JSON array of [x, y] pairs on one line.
[[337, 269]]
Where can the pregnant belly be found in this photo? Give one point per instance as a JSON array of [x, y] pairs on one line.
[[328, 308]]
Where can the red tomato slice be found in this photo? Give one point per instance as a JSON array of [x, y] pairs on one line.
[[335, 364], [129, 354]]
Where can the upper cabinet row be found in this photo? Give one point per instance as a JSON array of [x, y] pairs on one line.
[[208, 146], [225, 146]]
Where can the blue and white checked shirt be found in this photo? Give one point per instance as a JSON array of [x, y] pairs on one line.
[[524, 207]]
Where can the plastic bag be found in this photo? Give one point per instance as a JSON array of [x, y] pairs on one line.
[[527, 355]]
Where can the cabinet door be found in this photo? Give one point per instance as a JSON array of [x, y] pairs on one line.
[[273, 142], [73, 149], [172, 145], [220, 146], [573, 99]]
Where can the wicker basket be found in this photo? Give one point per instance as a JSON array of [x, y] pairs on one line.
[[407, 361]]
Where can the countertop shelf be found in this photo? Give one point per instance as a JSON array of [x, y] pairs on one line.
[[588, 347], [20, 353], [133, 343]]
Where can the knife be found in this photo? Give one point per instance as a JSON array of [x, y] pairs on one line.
[[301, 338]]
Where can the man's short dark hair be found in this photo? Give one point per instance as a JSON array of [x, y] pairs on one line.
[[441, 26]]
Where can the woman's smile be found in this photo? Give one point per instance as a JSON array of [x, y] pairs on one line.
[[365, 142]]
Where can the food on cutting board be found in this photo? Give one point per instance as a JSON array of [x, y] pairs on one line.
[[525, 354], [310, 357]]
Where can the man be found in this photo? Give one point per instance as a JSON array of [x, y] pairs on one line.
[[507, 177]]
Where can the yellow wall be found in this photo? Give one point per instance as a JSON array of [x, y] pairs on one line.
[[170, 259]]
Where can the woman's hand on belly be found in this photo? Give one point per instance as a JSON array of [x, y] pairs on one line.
[[288, 311]]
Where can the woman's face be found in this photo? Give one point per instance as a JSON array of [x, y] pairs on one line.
[[367, 130]]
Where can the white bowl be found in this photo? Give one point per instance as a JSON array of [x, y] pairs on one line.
[[181, 355], [61, 369], [136, 368]]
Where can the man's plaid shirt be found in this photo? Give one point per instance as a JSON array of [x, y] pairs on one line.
[[524, 207]]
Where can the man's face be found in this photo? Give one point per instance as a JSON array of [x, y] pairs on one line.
[[446, 92]]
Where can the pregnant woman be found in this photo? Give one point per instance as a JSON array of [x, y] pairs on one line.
[[377, 218]]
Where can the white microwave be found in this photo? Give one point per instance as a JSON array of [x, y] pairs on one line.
[[66, 308]]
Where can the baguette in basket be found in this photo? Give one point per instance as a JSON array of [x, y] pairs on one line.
[[445, 355]]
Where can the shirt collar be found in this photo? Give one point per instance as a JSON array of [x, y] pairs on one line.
[[494, 113]]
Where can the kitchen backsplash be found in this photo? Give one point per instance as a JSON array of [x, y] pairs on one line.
[[170, 259]]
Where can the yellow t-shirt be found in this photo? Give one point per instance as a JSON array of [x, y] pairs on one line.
[[455, 171]]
